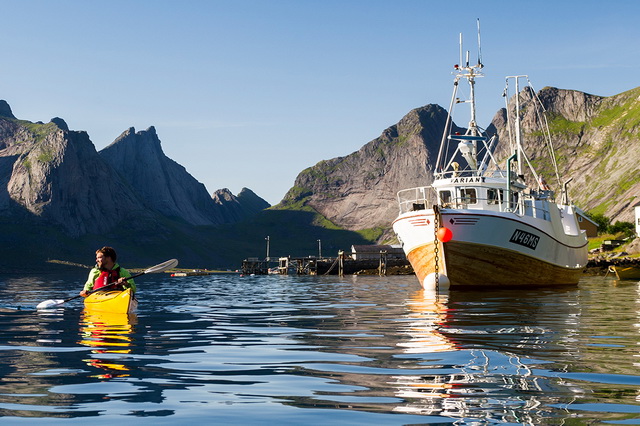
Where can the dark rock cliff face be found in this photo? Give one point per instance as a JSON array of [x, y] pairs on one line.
[[57, 176], [5, 110], [54, 176], [359, 191], [235, 209], [163, 184]]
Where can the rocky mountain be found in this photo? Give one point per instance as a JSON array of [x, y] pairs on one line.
[[596, 142], [56, 175], [55, 186], [164, 185], [53, 175], [358, 191], [236, 208], [596, 139]]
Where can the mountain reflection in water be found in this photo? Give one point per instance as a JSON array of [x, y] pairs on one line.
[[317, 349]]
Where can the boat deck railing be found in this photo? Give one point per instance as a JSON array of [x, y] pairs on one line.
[[414, 199], [424, 197]]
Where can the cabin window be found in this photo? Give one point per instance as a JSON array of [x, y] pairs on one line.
[[468, 195], [445, 197], [494, 196]]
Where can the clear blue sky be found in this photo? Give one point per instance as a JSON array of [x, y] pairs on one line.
[[247, 93]]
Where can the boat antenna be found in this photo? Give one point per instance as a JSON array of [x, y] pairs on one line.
[[461, 50], [479, 47]]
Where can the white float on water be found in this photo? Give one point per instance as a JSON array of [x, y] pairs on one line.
[[429, 282]]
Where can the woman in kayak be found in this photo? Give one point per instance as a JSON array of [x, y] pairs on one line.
[[106, 272]]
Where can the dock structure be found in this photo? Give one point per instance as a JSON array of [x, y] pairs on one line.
[[254, 266], [345, 263]]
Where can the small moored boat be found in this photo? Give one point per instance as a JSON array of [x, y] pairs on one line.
[[117, 301], [626, 272]]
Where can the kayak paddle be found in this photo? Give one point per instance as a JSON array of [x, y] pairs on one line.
[[51, 303]]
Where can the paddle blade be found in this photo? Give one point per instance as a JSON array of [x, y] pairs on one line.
[[163, 266], [48, 304]]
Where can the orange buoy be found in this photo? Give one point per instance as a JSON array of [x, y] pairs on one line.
[[444, 234]]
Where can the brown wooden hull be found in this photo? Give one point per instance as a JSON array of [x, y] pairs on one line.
[[422, 260], [626, 272], [475, 265]]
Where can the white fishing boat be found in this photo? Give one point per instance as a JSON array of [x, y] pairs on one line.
[[480, 224]]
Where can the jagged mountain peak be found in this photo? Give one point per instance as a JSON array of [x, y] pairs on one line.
[[246, 193], [62, 125], [234, 209], [358, 191], [165, 185], [223, 195], [251, 202], [144, 139], [5, 110], [59, 179]]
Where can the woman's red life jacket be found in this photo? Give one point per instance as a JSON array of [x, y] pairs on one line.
[[106, 278]]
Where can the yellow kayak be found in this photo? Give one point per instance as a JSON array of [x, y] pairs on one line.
[[116, 301]]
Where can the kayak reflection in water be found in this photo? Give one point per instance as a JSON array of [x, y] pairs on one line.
[[107, 273], [107, 333]]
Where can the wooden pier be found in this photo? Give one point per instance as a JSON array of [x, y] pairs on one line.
[[343, 264]]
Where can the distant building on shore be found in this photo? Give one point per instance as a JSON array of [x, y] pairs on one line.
[[585, 223]]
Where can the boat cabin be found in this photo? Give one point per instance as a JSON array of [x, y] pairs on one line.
[[478, 193]]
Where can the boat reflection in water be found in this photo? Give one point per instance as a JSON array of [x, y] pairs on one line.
[[110, 334], [476, 381], [429, 312]]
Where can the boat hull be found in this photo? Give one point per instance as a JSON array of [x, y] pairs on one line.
[[490, 249], [114, 301], [475, 265], [626, 272]]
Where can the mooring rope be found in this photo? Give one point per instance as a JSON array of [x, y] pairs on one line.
[[335, 262]]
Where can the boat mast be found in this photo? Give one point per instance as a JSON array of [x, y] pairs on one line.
[[473, 125], [472, 73], [519, 150], [467, 145]]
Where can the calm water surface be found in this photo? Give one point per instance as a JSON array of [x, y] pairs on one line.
[[293, 350]]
